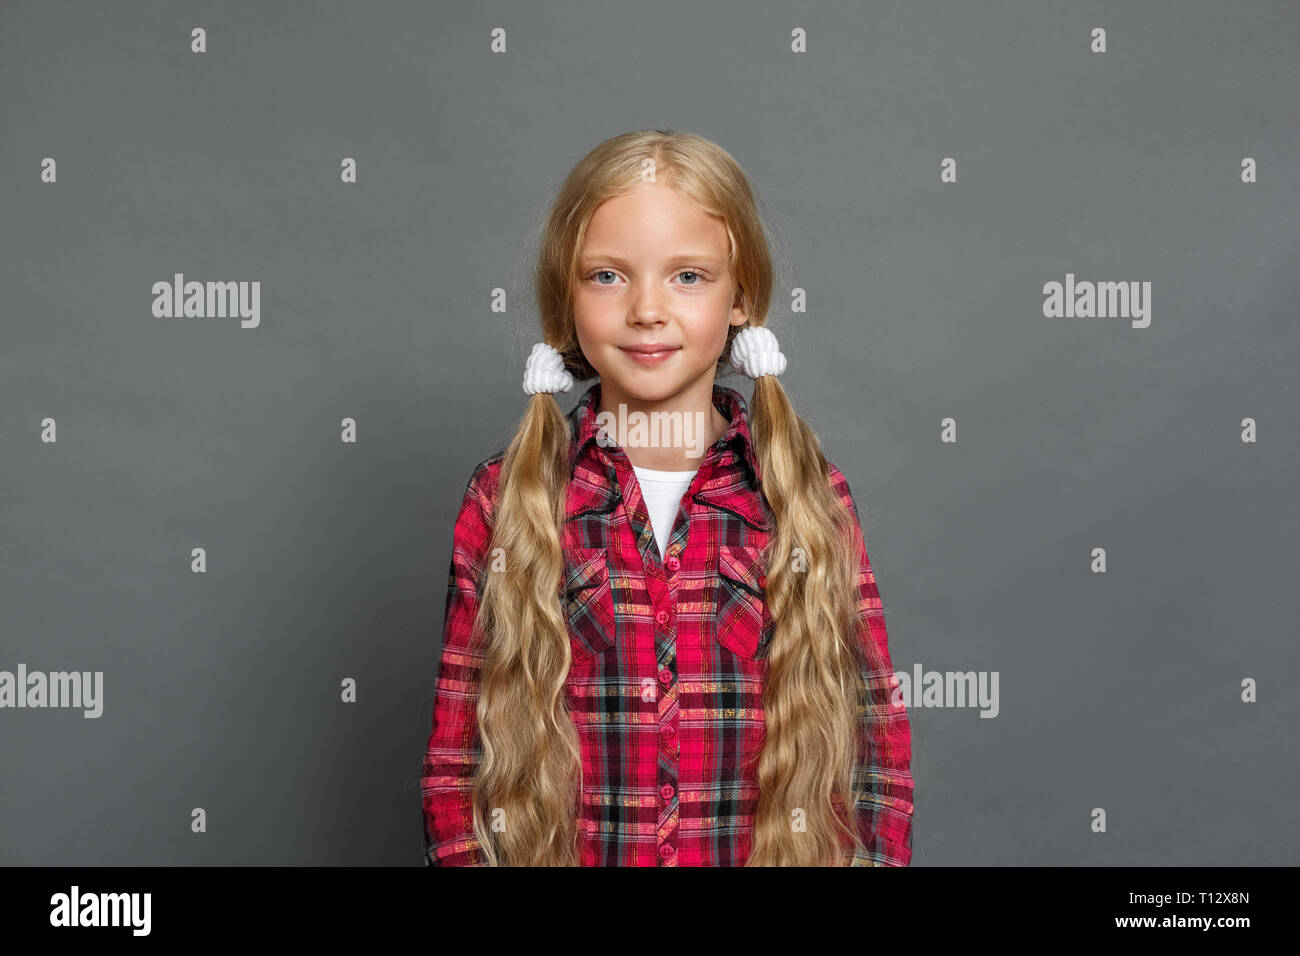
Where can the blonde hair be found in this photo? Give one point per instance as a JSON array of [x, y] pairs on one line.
[[814, 696]]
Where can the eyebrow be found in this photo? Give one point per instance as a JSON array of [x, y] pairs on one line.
[[680, 257]]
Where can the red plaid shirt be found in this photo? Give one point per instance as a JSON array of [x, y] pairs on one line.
[[669, 656]]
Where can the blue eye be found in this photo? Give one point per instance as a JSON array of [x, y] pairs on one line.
[[699, 276]]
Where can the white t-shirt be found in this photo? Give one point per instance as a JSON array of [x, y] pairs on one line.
[[662, 491]]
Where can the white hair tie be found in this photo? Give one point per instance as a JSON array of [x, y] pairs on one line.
[[755, 352], [546, 371]]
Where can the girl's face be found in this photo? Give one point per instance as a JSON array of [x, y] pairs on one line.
[[653, 271]]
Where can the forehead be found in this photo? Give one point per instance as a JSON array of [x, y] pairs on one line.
[[653, 220]]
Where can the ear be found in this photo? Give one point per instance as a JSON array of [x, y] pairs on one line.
[[738, 314]]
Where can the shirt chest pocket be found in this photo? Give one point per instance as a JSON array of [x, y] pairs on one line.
[[744, 625], [589, 600]]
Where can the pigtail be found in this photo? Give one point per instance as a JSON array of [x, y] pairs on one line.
[[814, 695], [530, 772]]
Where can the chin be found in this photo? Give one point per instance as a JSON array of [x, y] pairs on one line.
[[648, 388]]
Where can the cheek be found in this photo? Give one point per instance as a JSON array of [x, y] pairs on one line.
[[710, 332], [591, 336], [585, 324]]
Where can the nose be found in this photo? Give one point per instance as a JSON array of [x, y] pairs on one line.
[[644, 320], [645, 309]]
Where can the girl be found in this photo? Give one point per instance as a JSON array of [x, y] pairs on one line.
[[663, 647]]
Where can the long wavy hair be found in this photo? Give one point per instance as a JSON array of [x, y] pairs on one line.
[[814, 696]]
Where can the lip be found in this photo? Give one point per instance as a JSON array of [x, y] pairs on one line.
[[651, 354]]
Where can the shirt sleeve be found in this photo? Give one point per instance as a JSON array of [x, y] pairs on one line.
[[454, 749], [883, 774]]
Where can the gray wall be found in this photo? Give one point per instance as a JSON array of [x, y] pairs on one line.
[[327, 560]]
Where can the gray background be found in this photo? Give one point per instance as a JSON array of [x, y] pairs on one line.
[[328, 560]]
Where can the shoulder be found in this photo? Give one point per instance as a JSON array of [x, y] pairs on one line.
[[481, 489], [472, 528], [840, 485]]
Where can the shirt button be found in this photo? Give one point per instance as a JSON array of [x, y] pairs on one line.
[[662, 618], [666, 791], [665, 676], [672, 564], [762, 580], [666, 851], [669, 731]]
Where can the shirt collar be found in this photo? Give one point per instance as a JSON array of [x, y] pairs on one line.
[[729, 402]]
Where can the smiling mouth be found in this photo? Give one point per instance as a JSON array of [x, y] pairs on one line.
[[641, 350], [650, 358]]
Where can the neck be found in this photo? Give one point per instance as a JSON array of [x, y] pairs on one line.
[[670, 434]]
